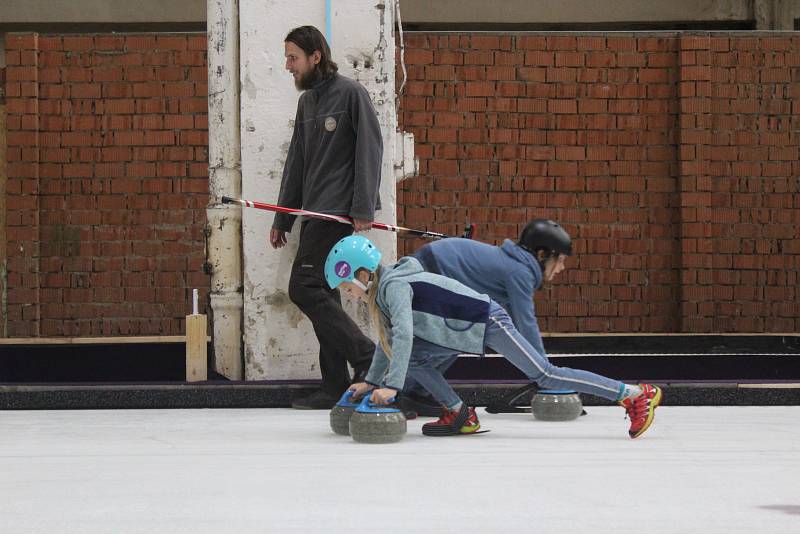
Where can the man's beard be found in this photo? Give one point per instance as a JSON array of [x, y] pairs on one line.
[[309, 79]]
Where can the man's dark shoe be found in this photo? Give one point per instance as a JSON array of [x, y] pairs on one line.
[[423, 406], [319, 400]]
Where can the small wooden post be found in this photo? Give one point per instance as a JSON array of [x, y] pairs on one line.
[[196, 352]]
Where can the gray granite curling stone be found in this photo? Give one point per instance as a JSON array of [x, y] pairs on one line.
[[556, 405], [341, 412], [377, 424]]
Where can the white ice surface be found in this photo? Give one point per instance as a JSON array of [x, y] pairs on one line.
[[697, 470]]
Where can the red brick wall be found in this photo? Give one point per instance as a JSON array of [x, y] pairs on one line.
[[740, 222], [672, 159], [107, 182]]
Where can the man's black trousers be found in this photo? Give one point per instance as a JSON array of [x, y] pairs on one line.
[[340, 339]]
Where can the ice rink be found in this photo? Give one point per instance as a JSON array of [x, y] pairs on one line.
[[697, 470]]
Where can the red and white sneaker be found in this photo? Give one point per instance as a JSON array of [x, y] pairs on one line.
[[453, 423], [641, 409]]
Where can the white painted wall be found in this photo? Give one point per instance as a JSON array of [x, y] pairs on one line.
[[279, 341]]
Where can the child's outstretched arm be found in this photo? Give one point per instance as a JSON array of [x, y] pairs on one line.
[[398, 297], [519, 287], [378, 367]]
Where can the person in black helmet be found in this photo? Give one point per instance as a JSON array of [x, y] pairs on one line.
[[508, 273]]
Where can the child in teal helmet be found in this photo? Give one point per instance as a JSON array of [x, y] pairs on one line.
[[414, 310], [348, 256]]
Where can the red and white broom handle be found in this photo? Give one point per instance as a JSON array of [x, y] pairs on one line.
[[340, 219]]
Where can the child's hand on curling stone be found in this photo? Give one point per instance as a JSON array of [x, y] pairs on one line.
[[383, 395], [360, 388]]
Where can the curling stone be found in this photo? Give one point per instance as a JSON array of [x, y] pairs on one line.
[[371, 423], [556, 405], [340, 414]]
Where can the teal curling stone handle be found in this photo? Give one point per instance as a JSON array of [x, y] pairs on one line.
[[347, 400]]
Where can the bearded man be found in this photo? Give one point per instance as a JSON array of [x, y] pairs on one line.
[[333, 166]]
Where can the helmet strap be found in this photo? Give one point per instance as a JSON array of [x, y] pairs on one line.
[[359, 284]]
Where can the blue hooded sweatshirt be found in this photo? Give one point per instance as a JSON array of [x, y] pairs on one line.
[[509, 274], [416, 303]]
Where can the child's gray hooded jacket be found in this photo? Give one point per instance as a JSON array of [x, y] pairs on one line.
[[437, 309]]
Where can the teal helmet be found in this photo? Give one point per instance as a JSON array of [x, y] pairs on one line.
[[348, 256]]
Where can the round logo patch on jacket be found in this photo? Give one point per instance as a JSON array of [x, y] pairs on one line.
[[330, 124]]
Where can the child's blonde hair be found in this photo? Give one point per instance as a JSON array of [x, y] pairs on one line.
[[376, 315]]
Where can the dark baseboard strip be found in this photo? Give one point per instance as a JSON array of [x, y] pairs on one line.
[[260, 395]]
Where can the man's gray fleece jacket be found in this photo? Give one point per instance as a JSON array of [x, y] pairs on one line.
[[334, 161]]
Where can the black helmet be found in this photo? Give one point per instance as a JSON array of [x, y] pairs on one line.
[[547, 235]]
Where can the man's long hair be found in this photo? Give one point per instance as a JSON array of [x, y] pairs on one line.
[[310, 39]]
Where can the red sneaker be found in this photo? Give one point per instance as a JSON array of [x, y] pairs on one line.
[[453, 423], [641, 409], [471, 424]]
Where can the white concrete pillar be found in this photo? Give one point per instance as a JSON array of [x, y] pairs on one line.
[[223, 233], [279, 341]]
